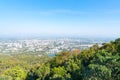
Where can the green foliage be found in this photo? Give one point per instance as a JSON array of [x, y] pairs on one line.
[[97, 72], [16, 73], [42, 71], [60, 59], [58, 72], [117, 42]]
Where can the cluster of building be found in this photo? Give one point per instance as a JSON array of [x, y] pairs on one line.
[[44, 45]]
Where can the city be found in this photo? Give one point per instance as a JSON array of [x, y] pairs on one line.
[[46, 46]]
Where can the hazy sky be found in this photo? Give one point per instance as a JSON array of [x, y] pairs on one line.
[[60, 17]]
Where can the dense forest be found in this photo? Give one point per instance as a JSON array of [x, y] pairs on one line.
[[95, 63]]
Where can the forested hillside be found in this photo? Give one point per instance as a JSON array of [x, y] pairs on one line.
[[95, 63]]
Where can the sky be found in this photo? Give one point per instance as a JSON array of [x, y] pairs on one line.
[[96, 18]]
